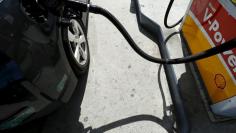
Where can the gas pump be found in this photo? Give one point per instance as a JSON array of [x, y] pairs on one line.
[[213, 22]]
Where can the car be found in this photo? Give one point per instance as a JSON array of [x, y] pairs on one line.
[[42, 57]]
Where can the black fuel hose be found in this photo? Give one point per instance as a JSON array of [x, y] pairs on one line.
[[167, 14], [99, 10]]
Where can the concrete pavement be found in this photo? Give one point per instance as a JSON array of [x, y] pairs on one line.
[[123, 94], [121, 84]]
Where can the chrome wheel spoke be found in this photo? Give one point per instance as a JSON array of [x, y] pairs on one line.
[[77, 53], [74, 27], [71, 36], [82, 39], [82, 52], [78, 42]]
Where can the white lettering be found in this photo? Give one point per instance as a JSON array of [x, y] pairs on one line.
[[230, 52], [232, 60], [207, 15], [215, 26], [212, 7], [218, 37], [223, 41]]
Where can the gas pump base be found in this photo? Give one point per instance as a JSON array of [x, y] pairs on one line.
[[201, 86]]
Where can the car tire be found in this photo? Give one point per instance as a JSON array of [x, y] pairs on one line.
[[76, 46]]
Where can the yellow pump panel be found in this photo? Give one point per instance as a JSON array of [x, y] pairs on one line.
[[209, 23]]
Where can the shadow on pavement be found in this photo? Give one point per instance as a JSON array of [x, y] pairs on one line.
[[166, 122], [162, 122], [66, 119]]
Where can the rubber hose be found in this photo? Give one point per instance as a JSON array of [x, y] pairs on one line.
[[202, 55], [167, 14], [205, 54]]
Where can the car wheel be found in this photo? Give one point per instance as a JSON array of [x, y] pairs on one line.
[[76, 44]]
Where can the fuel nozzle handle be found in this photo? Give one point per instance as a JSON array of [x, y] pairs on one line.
[[54, 6]]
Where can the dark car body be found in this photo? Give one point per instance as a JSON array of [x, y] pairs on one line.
[[35, 74]]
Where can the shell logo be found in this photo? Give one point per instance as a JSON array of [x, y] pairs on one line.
[[220, 81]]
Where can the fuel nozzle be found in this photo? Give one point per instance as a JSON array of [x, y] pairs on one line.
[[57, 6], [54, 6]]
